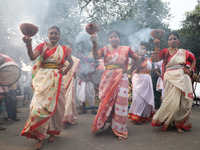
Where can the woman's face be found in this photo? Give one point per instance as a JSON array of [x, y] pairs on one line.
[[142, 50], [53, 36], [114, 39], [173, 41]]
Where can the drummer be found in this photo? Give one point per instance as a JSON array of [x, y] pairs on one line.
[[11, 93]]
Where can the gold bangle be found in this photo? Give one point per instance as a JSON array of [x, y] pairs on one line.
[[94, 44], [156, 53]]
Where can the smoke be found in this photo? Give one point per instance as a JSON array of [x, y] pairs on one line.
[[83, 42], [21, 11], [140, 36], [83, 37], [66, 13]]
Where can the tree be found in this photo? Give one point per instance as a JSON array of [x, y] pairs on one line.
[[190, 33], [126, 16]]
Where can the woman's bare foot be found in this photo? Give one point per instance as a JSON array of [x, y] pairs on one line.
[[179, 130], [51, 138], [38, 145], [121, 138]]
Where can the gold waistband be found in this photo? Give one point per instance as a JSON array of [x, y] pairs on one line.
[[110, 67], [50, 65]]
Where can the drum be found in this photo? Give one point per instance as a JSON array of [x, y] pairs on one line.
[[96, 77], [9, 73]]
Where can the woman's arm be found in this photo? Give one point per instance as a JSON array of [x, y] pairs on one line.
[[95, 52], [188, 70], [193, 64], [33, 55], [71, 62], [157, 50], [136, 63]]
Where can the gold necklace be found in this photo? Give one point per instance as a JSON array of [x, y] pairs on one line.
[[112, 48]]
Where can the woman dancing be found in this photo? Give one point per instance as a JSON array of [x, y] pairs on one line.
[[113, 89], [47, 106], [142, 107], [176, 106]]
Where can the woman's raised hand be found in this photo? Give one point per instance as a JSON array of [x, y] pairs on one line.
[[94, 38], [156, 42], [27, 40]]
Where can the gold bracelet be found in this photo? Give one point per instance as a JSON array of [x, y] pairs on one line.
[[94, 44]]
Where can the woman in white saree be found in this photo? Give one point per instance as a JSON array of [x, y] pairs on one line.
[[142, 107], [178, 97]]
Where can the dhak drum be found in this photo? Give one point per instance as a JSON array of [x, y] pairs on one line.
[[9, 73], [96, 77]]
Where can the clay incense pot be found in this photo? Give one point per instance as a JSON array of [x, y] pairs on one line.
[[92, 28], [157, 33], [28, 29]]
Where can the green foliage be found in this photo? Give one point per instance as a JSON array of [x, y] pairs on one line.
[[190, 33], [71, 16]]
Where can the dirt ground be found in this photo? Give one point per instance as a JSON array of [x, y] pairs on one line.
[[79, 137]]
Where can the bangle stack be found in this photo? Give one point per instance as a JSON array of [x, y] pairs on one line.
[[29, 46], [156, 53], [94, 44]]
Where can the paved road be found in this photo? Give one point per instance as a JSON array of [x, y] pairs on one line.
[[79, 137]]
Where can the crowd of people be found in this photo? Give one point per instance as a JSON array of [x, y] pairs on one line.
[[60, 78]]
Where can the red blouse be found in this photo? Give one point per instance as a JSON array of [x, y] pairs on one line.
[[67, 50], [189, 56], [48, 52]]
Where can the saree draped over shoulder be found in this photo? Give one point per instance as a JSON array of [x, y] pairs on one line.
[[178, 97], [113, 92], [47, 105], [70, 115], [142, 107]]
